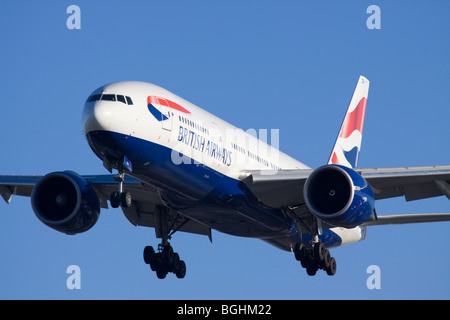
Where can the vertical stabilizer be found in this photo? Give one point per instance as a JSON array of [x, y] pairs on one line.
[[348, 143]]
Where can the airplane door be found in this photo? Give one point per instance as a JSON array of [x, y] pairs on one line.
[[159, 108], [165, 110]]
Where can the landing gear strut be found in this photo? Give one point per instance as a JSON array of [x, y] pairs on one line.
[[315, 258]]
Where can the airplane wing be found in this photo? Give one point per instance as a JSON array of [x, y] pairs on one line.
[[145, 199], [284, 188]]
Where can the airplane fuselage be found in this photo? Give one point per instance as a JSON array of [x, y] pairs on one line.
[[193, 158]]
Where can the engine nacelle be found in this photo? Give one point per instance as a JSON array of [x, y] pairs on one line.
[[339, 196], [65, 202]]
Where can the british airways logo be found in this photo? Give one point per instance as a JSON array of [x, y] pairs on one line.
[[349, 140], [204, 145], [153, 101]]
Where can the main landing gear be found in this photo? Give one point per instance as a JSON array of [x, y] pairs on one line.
[[315, 258], [165, 260], [311, 254]]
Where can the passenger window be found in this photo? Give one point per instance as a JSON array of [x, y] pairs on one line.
[[109, 97], [121, 98], [130, 102]]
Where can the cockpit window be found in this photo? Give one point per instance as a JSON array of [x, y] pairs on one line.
[[121, 98], [94, 97], [109, 97]]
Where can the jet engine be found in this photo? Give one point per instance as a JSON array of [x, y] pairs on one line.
[[339, 196], [65, 202]]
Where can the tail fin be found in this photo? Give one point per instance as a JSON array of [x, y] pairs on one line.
[[348, 143]]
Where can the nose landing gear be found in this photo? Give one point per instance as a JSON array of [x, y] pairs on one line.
[[120, 198]]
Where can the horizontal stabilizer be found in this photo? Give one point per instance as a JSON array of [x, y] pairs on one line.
[[409, 218]]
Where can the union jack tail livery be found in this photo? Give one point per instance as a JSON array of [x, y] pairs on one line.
[[348, 143]]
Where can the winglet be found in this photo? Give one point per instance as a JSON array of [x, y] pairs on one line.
[[348, 143]]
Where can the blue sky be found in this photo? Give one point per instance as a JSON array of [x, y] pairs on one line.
[[286, 65]]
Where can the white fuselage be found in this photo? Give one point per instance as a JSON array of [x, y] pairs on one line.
[[183, 149], [199, 136]]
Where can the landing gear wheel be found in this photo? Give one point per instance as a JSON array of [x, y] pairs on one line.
[[164, 261], [167, 254], [311, 270], [161, 274], [149, 255], [315, 257], [176, 262], [319, 252], [115, 199], [120, 199], [181, 272], [326, 260], [125, 199], [331, 270]]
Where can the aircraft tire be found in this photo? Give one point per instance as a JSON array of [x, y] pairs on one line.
[[325, 263], [168, 255], [161, 274], [319, 252], [311, 270], [125, 199], [115, 199], [181, 272], [331, 270], [149, 255]]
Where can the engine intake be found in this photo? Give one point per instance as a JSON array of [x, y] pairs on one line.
[[65, 202], [339, 196]]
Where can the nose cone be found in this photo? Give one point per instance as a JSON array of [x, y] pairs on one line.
[[97, 116]]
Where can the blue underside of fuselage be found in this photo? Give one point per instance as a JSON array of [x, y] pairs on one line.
[[200, 192]]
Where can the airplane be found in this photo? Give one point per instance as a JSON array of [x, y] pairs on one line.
[[180, 168]]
